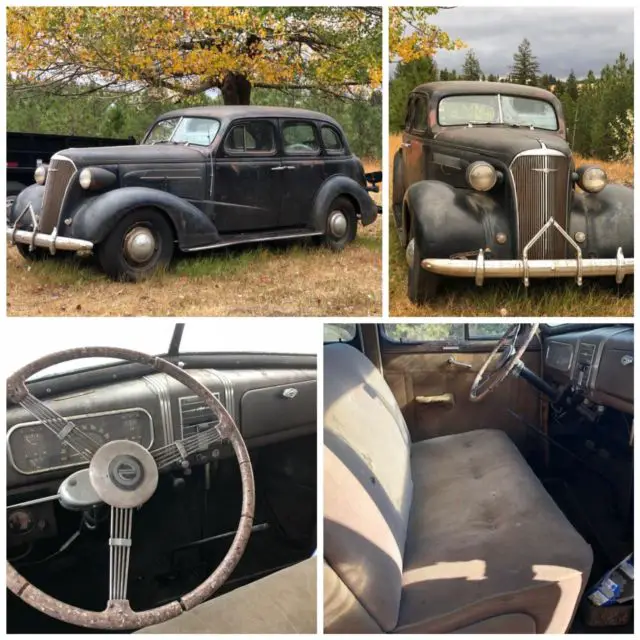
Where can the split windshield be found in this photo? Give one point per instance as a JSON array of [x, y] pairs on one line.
[[487, 109], [183, 130]]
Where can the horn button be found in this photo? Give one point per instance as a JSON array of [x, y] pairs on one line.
[[123, 474]]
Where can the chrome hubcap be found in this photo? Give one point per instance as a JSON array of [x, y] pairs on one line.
[[411, 247], [139, 244], [337, 224]]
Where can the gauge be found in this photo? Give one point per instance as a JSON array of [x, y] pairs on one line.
[[33, 448], [20, 522]]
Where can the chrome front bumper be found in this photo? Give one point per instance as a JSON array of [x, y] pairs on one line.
[[578, 267], [50, 241]]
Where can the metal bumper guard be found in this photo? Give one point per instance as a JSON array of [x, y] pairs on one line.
[[480, 268], [51, 241]]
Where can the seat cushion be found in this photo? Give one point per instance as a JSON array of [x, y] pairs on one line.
[[485, 539], [283, 602]]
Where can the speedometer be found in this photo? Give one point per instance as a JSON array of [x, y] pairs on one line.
[[33, 448]]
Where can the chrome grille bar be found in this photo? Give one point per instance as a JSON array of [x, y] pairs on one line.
[[59, 177]]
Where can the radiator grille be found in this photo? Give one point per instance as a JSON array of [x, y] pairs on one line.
[[60, 173], [542, 191]]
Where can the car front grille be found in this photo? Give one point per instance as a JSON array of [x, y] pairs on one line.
[[61, 172], [542, 191]]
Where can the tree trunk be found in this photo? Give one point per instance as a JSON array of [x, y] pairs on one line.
[[236, 89]]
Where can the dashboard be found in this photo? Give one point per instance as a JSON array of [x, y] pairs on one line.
[[597, 363], [268, 405]]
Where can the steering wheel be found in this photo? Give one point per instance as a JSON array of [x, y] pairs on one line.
[[509, 356], [124, 475]]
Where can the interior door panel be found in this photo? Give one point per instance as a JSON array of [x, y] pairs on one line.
[[434, 394]]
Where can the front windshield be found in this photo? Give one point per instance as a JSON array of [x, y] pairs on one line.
[[496, 109], [222, 335], [184, 130]]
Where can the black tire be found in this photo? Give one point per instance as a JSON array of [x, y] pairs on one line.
[[111, 252], [422, 285], [397, 198], [37, 255], [344, 205]]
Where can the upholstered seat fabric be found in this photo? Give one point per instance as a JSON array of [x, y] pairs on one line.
[[452, 534]]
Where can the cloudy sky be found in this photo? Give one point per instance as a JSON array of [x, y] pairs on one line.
[[562, 38]]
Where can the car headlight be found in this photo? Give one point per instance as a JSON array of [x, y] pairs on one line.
[[40, 174], [481, 176], [592, 179], [96, 178]]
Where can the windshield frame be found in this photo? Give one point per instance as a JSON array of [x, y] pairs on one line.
[[179, 122], [501, 121]]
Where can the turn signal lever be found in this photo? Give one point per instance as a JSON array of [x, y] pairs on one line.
[[521, 371]]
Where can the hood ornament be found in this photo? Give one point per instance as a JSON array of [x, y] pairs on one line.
[[544, 170]]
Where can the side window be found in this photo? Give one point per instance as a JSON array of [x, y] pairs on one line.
[[299, 138], [339, 332], [331, 140], [451, 332], [255, 137], [420, 114], [409, 116]]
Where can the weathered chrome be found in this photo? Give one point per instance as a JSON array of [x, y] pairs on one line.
[[338, 223], [61, 174], [119, 552], [139, 244], [451, 360], [50, 241]]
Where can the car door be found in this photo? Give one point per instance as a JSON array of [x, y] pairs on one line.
[[430, 369], [413, 140], [247, 184], [304, 170]]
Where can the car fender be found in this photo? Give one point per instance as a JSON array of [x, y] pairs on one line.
[[606, 219], [97, 216], [335, 187], [447, 221], [32, 195]]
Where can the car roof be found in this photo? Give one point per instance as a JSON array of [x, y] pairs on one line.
[[461, 87], [229, 112]]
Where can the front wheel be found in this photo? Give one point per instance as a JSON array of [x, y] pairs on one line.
[[342, 224], [138, 245], [422, 284], [38, 254]]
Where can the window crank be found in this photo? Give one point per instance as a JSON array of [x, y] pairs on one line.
[[456, 363]]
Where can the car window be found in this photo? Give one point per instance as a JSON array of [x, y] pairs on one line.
[[343, 332], [528, 112], [331, 139], [409, 116], [450, 332], [420, 114], [161, 131], [299, 138], [251, 137], [185, 130]]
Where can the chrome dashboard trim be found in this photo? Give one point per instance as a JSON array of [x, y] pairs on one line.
[[158, 383], [184, 398], [22, 425]]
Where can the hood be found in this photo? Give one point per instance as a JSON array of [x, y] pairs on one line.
[[133, 154], [502, 142]]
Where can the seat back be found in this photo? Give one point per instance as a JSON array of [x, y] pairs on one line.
[[367, 483]]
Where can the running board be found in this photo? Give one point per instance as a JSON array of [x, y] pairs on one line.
[[263, 237]]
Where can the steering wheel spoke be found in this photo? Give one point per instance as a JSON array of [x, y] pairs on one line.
[[119, 552]]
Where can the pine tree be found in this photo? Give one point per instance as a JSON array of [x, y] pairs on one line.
[[471, 69], [572, 86], [525, 65], [407, 77]]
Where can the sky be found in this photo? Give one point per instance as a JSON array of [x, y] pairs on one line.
[[562, 38]]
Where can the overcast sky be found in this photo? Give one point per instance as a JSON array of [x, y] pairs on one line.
[[562, 39]]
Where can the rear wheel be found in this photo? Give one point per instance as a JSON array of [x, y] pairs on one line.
[[342, 224], [138, 245], [422, 285]]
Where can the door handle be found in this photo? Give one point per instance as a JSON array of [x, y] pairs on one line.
[[406, 145], [445, 398], [289, 166], [452, 362], [278, 168]]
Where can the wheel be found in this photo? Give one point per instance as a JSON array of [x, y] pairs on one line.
[[38, 254], [397, 199], [138, 245], [342, 224], [422, 285]]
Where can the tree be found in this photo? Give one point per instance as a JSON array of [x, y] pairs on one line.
[[408, 75], [525, 65], [471, 68], [186, 51], [492, 77], [571, 86], [412, 36]]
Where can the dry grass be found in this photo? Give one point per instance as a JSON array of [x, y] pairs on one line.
[[288, 279], [597, 297]]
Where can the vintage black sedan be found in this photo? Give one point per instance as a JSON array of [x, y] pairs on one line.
[[484, 186], [203, 178]]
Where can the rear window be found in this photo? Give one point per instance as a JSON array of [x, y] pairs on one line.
[[331, 140]]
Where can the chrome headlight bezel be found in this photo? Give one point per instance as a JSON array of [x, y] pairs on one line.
[[40, 174], [591, 178], [85, 178], [481, 176], [96, 178]]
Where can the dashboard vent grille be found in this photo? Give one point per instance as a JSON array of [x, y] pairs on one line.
[[197, 419], [585, 353]]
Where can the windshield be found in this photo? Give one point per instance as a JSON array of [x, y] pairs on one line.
[[497, 109], [184, 130], [222, 335]]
